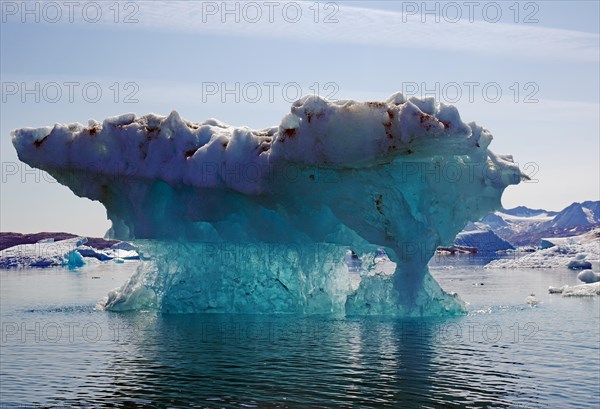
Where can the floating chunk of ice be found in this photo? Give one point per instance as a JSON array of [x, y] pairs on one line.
[[588, 276], [583, 290], [403, 175]]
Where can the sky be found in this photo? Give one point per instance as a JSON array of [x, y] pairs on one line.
[[527, 71]]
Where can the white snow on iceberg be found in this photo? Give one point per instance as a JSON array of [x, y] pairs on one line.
[[404, 175]]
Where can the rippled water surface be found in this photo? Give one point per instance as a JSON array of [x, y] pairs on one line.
[[56, 350]]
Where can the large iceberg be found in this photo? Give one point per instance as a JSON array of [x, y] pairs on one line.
[[244, 220]]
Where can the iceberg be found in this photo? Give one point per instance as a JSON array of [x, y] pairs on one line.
[[583, 290], [44, 253], [485, 241], [575, 252], [588, 277], [120, 251], [231, 219]]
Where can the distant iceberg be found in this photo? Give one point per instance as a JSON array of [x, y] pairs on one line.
[[108, 254], [583, 290], [486, 241], [21, 251], [45, 253], [588, 277], [284, 203], [576, 252]]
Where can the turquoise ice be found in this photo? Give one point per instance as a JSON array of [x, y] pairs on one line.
[[259, 221]]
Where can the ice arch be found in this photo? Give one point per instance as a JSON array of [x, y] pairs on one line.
[[404, 174]]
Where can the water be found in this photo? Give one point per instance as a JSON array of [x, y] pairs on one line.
[[56, 350]]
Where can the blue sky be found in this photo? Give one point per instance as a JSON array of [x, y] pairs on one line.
[[181, 55]]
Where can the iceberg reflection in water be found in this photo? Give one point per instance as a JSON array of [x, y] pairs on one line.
[[504, 353]]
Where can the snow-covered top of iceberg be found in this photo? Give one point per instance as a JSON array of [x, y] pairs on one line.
[[317, 132]]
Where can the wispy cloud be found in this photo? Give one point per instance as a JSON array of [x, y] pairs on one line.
[[379, 28]]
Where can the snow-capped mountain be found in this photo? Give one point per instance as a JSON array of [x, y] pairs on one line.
[[577, 214], [522, 226], [522, 211]]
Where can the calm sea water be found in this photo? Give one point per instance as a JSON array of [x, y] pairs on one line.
[[56, 350]]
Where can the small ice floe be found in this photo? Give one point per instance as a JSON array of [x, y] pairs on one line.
[[485, 310], [579, 263], [588, 277], [531, 300], [556, 290], [583, 290]]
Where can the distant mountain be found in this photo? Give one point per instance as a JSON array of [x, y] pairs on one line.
[[522, 211], [493, 221], [594, 207], [522, 226], [10, 239], [577, 214]]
